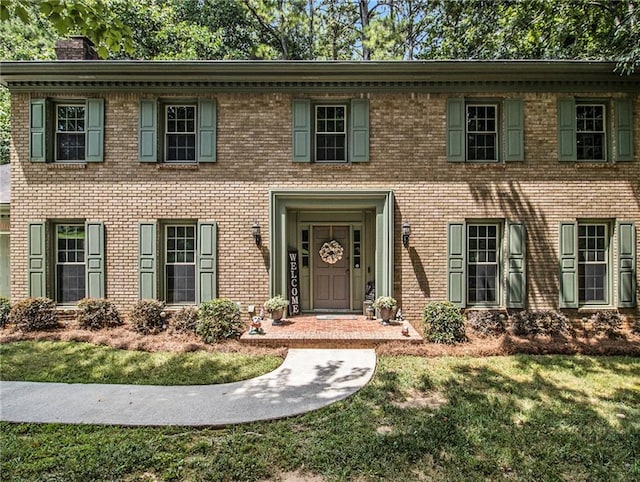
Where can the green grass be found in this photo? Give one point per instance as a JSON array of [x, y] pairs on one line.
[[527, 418], [72, 362]]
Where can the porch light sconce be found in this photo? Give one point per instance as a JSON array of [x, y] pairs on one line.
[[406, 232], [255, 231]]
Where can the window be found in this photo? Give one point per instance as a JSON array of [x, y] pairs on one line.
[[331, 133], [180, 133], [70, 132], [482, 264], [485, 131], [180, 264], [66, 130], [482, 133], [593, 245], [590, 132], [70, 263]]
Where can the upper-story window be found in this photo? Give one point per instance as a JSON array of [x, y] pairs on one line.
[[331, 133], [180, 133], [62, 130], [590, 132], [485, 130], [70, 132], [482, 132]]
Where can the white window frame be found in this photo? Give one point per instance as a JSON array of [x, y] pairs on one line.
[[495, 132], [59, 132], [603, 132], [193, 133], [317, 133], [167, 263], [57, 258], [497, 263], [607, 264]]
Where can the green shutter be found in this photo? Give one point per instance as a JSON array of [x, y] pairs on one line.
[[627, 280], [38, 130], [36, 260], [455, 130], [514, 112], [206, 131], [516, 266], [456, 264], [568, 264], [206, 262], [94, 263], [359, 131], [95, 130], [147, 265], [148, 131], [301, 130], [624, 130], [567, 150]]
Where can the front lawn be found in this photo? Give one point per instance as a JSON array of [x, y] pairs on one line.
[[524, 417]]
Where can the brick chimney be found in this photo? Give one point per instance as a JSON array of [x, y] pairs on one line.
[[76, 48]]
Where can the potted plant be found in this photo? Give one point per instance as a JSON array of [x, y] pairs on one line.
[[276, 307], [385, 305]]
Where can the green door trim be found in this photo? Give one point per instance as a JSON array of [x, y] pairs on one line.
[[280, 202]]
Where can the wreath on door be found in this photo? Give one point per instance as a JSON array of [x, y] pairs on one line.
[[331, 252]]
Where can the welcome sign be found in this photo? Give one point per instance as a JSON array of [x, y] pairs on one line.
[[294, 286]]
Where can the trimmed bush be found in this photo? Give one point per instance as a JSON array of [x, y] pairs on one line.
[[5, 308], [185, 320], [635, 326], [148, 317], [443, 323], [96, 313], [487, 323], [607, 322], [543, 322], [219, 319], [34, 314]]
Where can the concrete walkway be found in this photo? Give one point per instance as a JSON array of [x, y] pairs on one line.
[[307, 380]]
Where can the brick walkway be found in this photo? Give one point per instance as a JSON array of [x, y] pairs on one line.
[[330, 331]]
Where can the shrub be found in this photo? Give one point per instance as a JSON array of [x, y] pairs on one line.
[[96, 313], [487, 323], [635, 326], [219, 319], [543, 322], [5, 308], [33, 314], [185, 320], [443, 323], [148, 317], [607, 322]]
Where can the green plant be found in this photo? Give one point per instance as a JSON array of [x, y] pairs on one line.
[[542, 322], [635, 326], [385, 302], [276, 303], [5, 308], [443, 323], [148, 317], [33, 314], [96, 313], [219, 319], [185, 320], [607, 322], [487, 323]]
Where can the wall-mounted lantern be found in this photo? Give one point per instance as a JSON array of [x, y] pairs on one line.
[[255, 231], [406, 233]]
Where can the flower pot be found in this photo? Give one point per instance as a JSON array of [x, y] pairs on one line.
[[385, 314], [276, 315]]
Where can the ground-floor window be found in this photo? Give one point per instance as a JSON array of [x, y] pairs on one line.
[[482, 263], [70, 262], [593, 245], [180, 264]]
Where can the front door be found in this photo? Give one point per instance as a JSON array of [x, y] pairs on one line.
[[331, 268]]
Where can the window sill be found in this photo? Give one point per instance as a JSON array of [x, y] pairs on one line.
[[594, 165], [66, 165], [595, 308], [484, 165], [162, 166]]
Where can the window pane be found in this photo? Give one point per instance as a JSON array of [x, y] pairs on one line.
[[181, 284], [180, 264], [331, 138], [70, 267], [592, 263], [481, 133], [590, 132], [482, 264]]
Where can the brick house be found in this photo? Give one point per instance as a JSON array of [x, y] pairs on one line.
[[498, 184]]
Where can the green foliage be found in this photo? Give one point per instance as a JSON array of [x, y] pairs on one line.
[[607, 322], [5, 308], [185, 320], [148, 317], [385, 302], [543, 322], [443, 323], [278, 302], [32, 314], [487, 323], [635, 326], [96, 313], [219, 319]]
